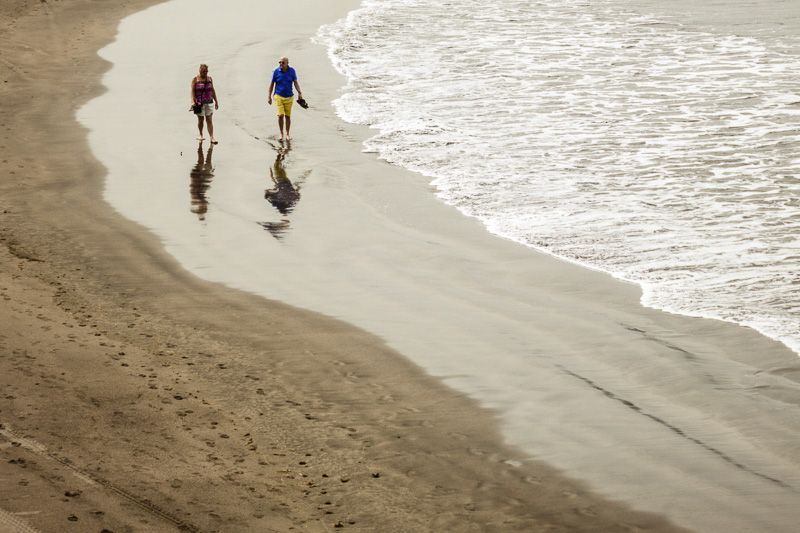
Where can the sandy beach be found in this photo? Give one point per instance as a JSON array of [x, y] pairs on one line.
[[131, 403], [138, 396]]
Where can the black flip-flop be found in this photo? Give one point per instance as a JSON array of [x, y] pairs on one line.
[[302, 103]]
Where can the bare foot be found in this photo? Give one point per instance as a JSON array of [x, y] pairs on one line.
[[214, 141], [201, 138]]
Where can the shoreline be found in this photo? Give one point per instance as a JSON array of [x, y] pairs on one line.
[[132, 403], [564, 357], [772, 324]]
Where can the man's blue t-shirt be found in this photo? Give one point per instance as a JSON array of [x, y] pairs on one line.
[[283, 81]]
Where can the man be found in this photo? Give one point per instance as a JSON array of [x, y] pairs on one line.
[[283, 78]]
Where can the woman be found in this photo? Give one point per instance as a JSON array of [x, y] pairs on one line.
[[203, 96]]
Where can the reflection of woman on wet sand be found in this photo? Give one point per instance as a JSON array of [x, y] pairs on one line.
[[201, 175], [284, 195]]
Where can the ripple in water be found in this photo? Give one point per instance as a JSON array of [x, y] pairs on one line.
[[664, 156]]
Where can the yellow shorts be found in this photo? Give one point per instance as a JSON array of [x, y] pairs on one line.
[[283, 104]]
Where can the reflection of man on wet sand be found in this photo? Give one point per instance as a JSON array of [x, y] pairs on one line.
[[283, 195], [200, 176]]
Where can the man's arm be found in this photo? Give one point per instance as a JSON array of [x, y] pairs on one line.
[[269, 92], [297, 86]]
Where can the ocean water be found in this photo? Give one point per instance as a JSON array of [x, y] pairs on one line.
[[664, 154]]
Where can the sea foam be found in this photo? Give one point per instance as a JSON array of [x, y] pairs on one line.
[[662, 155]]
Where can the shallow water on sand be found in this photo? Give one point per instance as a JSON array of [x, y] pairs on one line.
[[659, 419]]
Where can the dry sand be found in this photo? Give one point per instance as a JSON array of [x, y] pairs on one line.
[[130, 402]]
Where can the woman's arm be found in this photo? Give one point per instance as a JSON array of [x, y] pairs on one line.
[[191, 91], [214, 94]]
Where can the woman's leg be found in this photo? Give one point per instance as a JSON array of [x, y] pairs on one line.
[[200, 127], [210, 121]]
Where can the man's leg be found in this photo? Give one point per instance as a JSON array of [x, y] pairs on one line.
[[288, 126], [280, 125]]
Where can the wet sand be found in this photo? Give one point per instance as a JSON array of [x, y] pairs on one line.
[[137, 397], [140, 397], [577, 372]]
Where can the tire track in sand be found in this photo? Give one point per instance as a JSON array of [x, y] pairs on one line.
[[92, 479]]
